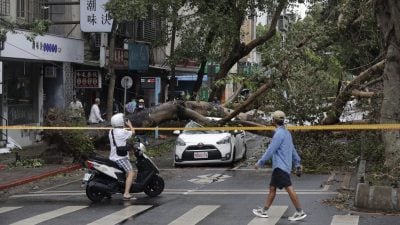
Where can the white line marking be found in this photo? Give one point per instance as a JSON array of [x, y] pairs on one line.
[[60, 185], [345, 220], [203, 190], [49, 215], [7, 209], [35, 192], [186, 192], [121, 215], [245, 193], [194, 215], [242, 190], [47, 194], [274, 213]]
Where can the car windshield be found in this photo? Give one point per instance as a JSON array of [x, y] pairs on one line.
[[193, 124]]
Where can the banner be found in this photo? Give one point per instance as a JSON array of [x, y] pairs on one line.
[[138, 57]]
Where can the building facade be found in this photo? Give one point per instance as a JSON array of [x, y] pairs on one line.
[[36, 73]]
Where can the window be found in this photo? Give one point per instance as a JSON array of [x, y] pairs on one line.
[[97, 42], [4, 7], [21, 8], [22, 88], [149, 29]]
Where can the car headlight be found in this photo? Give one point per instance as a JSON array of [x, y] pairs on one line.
[[180, 142], [224, 140]]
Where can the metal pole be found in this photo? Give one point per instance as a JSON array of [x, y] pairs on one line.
[[125, 85], [124, 96]]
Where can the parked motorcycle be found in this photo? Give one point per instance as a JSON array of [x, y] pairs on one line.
[[105, 177]]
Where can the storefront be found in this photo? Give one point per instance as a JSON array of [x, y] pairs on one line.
[[36, 75]]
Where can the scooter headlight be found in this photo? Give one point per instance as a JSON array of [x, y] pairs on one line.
[[224, 140], [142, 147], [180, 142]]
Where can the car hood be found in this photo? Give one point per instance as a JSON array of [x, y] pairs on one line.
[[203, 138]]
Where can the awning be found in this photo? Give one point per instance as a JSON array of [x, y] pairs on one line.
[[189, 77]]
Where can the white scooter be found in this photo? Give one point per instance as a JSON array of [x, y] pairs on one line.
[[105, 177]]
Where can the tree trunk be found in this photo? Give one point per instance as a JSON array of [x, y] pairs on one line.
[[111, 72], [200, 73], [388, 14], [199, 80]]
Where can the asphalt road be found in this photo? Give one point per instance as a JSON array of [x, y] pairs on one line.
[[193, 195]]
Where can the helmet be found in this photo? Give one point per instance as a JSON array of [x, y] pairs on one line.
[[117, 120], [278, 115], [141, 100]]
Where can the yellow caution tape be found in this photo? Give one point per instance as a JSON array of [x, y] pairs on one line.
[[266, 128]]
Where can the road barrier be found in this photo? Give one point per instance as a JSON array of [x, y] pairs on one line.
[[265, 128]]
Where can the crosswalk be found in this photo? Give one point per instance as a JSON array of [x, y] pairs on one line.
[[191, 216]]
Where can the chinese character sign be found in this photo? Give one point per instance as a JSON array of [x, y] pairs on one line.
[[87, 79], [120, 58], [94, 17]]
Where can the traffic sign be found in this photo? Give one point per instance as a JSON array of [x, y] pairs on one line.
[[126, 82]]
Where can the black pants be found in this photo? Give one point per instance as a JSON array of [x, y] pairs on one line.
[[280, 179]]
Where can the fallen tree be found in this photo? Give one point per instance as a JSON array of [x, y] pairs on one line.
[[345, 95]]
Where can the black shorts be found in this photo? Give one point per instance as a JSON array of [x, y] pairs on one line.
[[280, 179]]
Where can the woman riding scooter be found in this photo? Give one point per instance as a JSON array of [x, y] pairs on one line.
[[118, 137]]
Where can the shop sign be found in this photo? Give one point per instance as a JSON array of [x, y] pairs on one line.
[[121, 57], [148, 82], [46, 47], [94, 17], [87, 79], [138, 57]]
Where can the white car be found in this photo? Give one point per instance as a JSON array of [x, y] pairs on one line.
[[209, 146]]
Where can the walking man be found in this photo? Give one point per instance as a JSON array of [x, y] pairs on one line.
[[283, 153], [95, 116]]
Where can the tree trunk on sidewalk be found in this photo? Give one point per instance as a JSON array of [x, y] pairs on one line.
[[388, 16], [111, 73]]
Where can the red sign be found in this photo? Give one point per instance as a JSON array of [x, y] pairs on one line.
[[121, 57], [87, 79]]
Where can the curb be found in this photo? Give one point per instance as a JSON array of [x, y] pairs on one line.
[[380, 198], [41, 176]]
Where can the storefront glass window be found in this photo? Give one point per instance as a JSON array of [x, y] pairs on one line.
[[22, 88]]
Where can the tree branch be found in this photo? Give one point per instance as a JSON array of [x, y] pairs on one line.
[[340, 101], [250, 100]]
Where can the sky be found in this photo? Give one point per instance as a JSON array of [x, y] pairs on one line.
[[300, 9]]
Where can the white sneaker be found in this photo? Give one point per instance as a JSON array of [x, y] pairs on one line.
[[260, 212], [297, 216]]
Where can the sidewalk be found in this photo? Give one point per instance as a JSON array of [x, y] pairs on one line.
[[15, 176]]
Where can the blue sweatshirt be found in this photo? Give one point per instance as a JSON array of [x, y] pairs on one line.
[[282, 151]]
